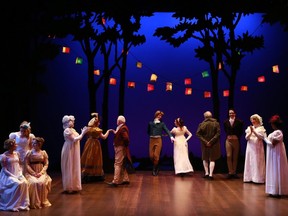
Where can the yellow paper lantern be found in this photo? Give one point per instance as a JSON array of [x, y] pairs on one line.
[[153, 78], [275, 69]]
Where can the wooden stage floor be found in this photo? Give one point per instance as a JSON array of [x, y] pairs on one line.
[[165, 194]]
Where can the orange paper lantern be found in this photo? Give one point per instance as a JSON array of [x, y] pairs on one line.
[[220, 66], [97, 72], [207, 94], [131, 84], [139, 64], [112, 81], [188, 91], [168, 86], [244, 88]]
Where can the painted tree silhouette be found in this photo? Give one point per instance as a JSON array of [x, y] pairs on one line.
[[218, 47]]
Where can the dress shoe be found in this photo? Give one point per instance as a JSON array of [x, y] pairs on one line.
[[205, 176], [112, 184], [275, 196], [235, 176], [230, 176], [125, 183], [210, 178]]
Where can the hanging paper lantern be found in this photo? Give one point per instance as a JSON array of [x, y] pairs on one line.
[[220, 66], [244, 88], [188, 91], [168, 86], [126, 52], [139, 64], [207, 94], [97, 72], [150, 87], [153, 78], [112, 81], [131, 84], [79, 60], [226, 93], [65, 50], [103, 21], [52, 36], [205, 74], [261, 79], [188, 81], [275, 69]]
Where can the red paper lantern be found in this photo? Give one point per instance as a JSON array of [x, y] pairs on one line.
[[150, 87], [65, 50], [226, 93], [188, 81], [261, 79]]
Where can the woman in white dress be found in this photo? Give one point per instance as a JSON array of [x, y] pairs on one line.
[[36, 174], [276, 161], [254, 167], [182, 163], [23, 139], [70, 156], [14, 195]]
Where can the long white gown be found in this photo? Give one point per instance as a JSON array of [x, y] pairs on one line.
[[181, 153], [14, 195], [254, 167], [39, 187], [70, 161], [276, 165]]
